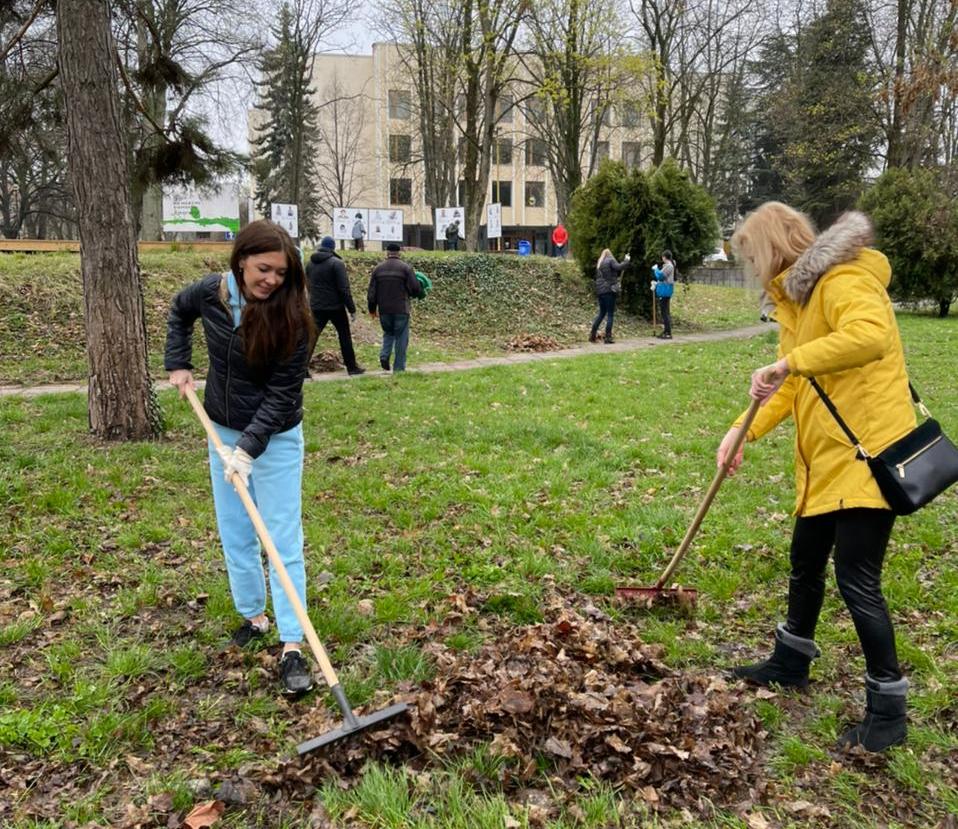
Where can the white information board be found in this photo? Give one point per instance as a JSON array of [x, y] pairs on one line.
[[345, 219], [287, 217], [446, 216], [385, 225], [210, 209], [494, 221]]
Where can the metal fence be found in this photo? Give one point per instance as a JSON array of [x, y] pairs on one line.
[[728, 277]]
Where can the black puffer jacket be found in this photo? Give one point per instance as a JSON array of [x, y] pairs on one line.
[[328, 284], [257, 404], [608, 277]]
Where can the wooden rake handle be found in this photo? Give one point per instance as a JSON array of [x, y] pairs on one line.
[[315, 645], [709, 497]]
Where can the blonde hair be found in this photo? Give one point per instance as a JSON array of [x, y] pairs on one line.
[[771, 238], [605, 252]]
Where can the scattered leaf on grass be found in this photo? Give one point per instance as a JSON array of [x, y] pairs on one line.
[[204, 814]]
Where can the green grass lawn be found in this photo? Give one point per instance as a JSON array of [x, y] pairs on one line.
[[478, 303], [513, 483]]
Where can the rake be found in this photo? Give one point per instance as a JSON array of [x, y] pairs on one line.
[[687, 596]]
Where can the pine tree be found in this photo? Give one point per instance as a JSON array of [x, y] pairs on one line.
[[831, 128], [287, 143]]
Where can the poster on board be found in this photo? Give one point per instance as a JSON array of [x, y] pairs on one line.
[[494, 221], [287, 217], [385, 225], [214, 209], [348, 221], [446, 216]]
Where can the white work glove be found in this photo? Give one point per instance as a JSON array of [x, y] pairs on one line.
[[628, 257], [235, 460], [652, 285]]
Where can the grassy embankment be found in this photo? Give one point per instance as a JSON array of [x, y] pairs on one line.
[[477, 305]]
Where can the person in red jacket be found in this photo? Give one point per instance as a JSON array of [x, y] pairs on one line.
[[560, 238]]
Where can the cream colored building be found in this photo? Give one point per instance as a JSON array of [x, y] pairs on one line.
[[373, 152]]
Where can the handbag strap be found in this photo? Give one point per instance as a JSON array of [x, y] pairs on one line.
[[862, 454]]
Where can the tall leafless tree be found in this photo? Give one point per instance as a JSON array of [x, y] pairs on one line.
[[343, 159], [574, 70], [915, 50], [428, 36], [122, 405]]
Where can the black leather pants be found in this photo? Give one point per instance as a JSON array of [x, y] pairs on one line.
[[859, 537]]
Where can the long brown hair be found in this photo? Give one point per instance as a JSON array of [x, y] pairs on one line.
[[273, 328], [771, 238]]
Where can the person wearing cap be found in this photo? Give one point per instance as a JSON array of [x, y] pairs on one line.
[[392, 284], [330, 298]]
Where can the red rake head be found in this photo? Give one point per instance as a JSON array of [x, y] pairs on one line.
[[681, 597]]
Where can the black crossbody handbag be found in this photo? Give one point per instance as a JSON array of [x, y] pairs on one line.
[[914, 469]]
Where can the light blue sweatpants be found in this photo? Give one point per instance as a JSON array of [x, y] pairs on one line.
[[275, 485]]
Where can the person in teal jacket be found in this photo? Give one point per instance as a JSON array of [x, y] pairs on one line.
[[664, 288]]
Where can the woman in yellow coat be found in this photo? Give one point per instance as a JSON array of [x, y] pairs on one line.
[[837, 325]]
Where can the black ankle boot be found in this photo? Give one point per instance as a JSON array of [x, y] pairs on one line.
[[884, 723], [788, 664]]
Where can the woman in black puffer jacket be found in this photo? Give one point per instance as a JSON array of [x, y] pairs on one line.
[[608, 283], [259, 333]]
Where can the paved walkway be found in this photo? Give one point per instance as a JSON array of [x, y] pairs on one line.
[[479, 362]]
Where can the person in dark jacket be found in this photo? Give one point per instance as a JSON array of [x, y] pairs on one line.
[[608, 284], [664, 288], [452, 235], [259, 332], [330, 298], [392, 284]]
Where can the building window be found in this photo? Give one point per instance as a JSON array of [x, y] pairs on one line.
[[630, 114], [632, 154], [535, 193], [400, 191], [601, 151], [535, 110], [502, 192], [400, 104], [400, 148], [503, 152], [504, 108], [536, 152]]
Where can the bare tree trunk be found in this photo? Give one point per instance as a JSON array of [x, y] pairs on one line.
[[122, 405]]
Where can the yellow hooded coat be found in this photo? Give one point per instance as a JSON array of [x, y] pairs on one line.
[[837, 324]]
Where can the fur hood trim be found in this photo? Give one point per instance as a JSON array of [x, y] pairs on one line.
[[842, 242]]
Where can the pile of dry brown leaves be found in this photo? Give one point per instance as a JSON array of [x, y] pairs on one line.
[[581, 690], [532, 342], [323, 362]]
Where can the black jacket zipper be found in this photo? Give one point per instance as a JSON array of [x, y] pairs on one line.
[[229, 365]]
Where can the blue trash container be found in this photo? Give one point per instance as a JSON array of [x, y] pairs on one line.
[[524, 248]]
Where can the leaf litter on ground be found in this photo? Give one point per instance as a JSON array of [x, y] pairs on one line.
[[580, 690]]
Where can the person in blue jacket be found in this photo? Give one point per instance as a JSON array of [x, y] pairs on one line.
[[664, 287], [259, 333]]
